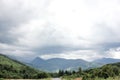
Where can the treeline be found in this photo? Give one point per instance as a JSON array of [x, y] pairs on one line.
[[104, 72], [65, 73]]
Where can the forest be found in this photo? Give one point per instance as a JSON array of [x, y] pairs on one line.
[[12, 69], [106, 72]]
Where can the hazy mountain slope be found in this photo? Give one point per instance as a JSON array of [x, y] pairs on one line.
[[107, 60], [56, 64]]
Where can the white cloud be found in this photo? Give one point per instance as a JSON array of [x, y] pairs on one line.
[[80, 24], [88, 55], [14, 50], [80, 19], [114, 53]]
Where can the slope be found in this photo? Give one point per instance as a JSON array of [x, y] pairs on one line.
[[106, 71], [10, 68]]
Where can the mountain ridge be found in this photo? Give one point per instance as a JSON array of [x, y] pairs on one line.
[[107, 60], [56, 64]]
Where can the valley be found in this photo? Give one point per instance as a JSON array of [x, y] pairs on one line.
[[12, 69]]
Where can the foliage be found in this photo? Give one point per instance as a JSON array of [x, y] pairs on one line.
[[106, 72], [13, 69]]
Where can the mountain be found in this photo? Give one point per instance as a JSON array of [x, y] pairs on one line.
[[56, 64], [107, 60], [10, 68]]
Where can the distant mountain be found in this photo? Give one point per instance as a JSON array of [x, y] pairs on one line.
[[10, 68], [56, 64], [107, 60]]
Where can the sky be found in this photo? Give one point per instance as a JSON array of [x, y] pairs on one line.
[[71, 29]]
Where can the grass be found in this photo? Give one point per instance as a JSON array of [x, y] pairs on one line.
[[111, 78], [71, 78]]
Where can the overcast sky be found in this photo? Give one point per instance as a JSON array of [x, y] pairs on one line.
[[72, 29]]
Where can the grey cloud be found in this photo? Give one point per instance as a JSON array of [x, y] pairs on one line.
[[52, 49], [55, 49], [51, 39], [13, 14], [104, 33], [107, 46]]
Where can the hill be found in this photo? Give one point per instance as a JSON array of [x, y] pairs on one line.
[[106, 71], [10, 68]]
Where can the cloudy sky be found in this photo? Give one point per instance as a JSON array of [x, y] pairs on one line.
[[71, 29]]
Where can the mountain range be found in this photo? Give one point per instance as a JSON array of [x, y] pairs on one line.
[[56, 64], [107, 60]]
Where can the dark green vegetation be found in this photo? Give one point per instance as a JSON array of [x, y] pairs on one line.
[[106, 72], [10, 68]]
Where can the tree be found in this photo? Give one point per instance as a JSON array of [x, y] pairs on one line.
[[80, 70], [42, 75], [61, 72]]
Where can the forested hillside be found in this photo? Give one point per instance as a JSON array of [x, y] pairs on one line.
[[106, 71], [10, 68]]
